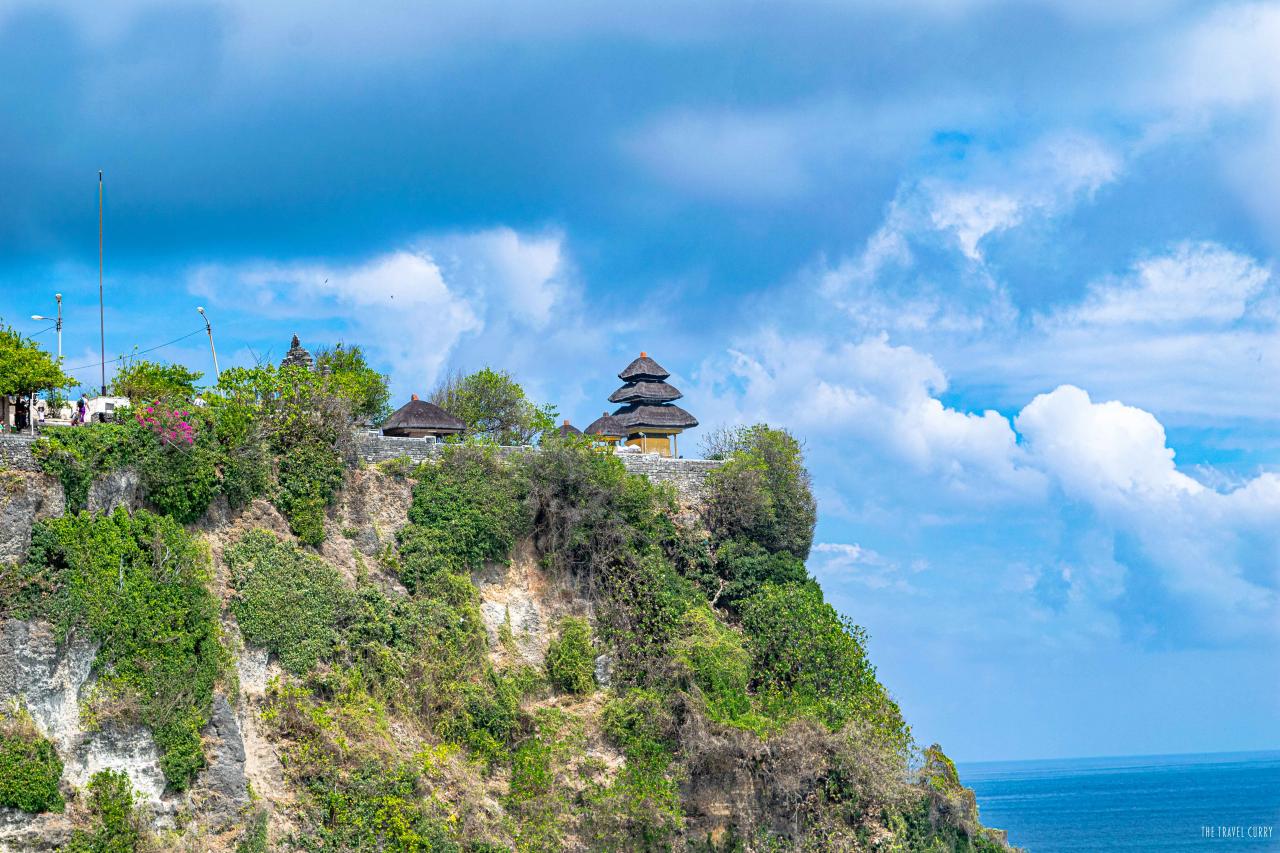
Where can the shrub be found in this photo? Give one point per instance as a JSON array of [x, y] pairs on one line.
[[711, 657], [141, 380], [541, 793], [743, 567], [467, 508], [29, 766], [570, 660], [77, 455], [310, 474], [763, 491], [118, 826], [640, 808], [139, 586], [806, 659], [286, 601]]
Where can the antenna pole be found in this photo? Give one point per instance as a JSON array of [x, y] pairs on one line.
[[102, 325]]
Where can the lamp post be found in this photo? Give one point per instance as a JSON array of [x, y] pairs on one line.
[[57, 320], [208, 328]]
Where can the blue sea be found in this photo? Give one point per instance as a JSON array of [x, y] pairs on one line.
[[1219, 802]]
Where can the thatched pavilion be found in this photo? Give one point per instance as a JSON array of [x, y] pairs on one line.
[[606, 429], [419, 419], [568, 430], [649, 415]]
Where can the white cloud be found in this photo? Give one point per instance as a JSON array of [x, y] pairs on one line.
[[1133, 546], [1195, 283], [1100, 451], [417, 307], [838, 561], [1040, 181], [871, 398]]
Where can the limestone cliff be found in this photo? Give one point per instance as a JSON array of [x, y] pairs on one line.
[[447, 708]]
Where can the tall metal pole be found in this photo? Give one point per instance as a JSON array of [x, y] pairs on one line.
[[208, 328], [102, 323], [58, 296]]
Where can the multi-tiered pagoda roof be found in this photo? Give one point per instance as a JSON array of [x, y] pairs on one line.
[[648, 399]]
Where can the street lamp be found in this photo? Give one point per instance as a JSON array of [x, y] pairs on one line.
[[58, 320], [216, 374]]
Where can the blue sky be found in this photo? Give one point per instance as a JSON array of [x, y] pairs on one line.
[[1008, 269]]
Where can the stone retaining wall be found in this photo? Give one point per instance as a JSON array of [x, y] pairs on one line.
[[15, 452], [687, 475]]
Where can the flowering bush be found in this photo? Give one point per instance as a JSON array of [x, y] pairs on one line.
[[171, 427]]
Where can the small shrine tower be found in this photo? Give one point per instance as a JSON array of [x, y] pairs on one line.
[[649, 415]]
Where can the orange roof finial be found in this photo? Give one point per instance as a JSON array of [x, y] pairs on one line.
[[644, 354]]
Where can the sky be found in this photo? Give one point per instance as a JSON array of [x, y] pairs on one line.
[[1007, 269]]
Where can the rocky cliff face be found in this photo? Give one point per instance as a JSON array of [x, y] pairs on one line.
[[54, 681], [249, 792]]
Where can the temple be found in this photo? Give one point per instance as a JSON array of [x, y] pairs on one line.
[[649, 416]]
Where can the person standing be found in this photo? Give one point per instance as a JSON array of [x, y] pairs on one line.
[[82, 406]]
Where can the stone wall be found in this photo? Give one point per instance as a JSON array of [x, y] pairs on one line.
[[15, 452], [687, 475]]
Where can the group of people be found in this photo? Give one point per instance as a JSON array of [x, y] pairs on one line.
[[22, 413]]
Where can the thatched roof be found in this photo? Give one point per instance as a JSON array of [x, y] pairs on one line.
[[567, 429], [645, 392], [419, 414], [637, 416], [607, 426], [643, 368]]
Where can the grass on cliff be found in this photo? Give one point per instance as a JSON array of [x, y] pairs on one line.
[[139, 586]]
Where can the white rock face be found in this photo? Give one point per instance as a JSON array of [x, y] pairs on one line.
[[49, 682], [24, 499], [120, 488]]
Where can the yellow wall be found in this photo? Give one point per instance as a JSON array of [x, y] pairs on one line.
[[653, 442]]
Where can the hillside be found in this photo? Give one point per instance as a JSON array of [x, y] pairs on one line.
[[235, 634]]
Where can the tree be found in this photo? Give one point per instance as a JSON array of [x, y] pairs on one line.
[[493, 406], [146, 381], [25, 368], [349, 376], [763, 492]]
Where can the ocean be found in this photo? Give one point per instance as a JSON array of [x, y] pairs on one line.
[[1219, 802]]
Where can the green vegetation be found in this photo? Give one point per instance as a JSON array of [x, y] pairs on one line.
[[806, 659], [640, 809], [467, 509], [726, 665], [493, 406], [570, 659], [762, 492], [351, 378], [29, 766], [543, 795], [281, 433], [118, 828], [139, 585], [145, 381], [286, 600], [25, 368]]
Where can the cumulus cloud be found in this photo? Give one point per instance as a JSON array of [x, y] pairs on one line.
[[1130, 545], [1100, 452], [417, 307], [873, 397]]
